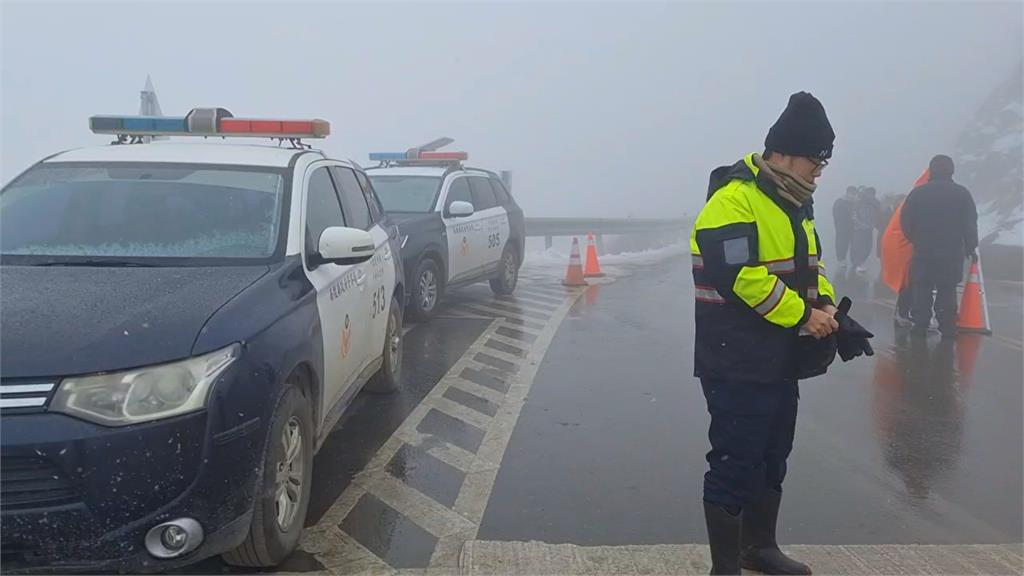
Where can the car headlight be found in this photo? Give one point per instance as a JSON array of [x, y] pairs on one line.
[[122, 398]]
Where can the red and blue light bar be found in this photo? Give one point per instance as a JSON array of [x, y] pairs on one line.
[[415, 156], [209, 122]]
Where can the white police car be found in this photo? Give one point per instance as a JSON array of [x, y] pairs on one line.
[[458, 225], [183, 324]]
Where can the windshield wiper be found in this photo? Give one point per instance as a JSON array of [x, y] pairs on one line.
[[104, 263]]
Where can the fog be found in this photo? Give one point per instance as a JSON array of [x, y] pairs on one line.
[[597, 109]]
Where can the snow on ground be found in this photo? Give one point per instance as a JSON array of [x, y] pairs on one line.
[[554, 261], [1007, 229]]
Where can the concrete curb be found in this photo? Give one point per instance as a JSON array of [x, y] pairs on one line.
[[537, 558]]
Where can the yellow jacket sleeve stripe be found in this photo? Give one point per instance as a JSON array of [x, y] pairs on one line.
[[825, 287], [769, 296]]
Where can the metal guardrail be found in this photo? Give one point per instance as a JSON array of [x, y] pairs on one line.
[[551, 227]]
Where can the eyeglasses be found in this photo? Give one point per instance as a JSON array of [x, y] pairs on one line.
[[818, 164]]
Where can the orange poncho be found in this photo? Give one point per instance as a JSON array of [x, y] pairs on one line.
[[896, 249]]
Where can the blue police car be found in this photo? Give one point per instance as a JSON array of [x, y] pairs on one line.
[[183, 325], [459, 225]]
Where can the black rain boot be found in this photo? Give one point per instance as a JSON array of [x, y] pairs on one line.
[[724, 536], [760, 550]]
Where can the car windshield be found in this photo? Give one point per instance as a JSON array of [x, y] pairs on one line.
[[406, 193], [57, 213]]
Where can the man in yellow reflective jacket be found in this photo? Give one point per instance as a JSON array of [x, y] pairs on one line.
[[760, 284]]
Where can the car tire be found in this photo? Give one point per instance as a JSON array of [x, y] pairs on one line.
[[388, 378], [427, 290], [278, 518], [508, 274]]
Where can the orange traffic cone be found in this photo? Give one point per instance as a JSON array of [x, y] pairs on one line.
[[593, 267], [973, 305], [574, 274]]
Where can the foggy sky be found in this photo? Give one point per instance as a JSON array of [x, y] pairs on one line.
[[598, 109]]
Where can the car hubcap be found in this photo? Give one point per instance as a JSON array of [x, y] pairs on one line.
[[428, 290], [395, 344], [288, 486]]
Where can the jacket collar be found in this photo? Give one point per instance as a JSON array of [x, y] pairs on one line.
[[746, 170]]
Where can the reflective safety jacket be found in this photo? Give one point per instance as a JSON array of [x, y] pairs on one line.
[[757, 272]]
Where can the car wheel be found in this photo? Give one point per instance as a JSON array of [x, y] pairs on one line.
[[387, 379], [508, 274], [427, 290], [279, 510]]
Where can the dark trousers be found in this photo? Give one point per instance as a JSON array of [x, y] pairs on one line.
[[842, 244], [905, 301], [752, 426], [861, 247], [940, 274]]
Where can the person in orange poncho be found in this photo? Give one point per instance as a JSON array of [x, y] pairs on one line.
[[896, 252]]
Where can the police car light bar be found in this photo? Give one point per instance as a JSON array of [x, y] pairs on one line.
[[424, 155], [416, 156], [209, 122]]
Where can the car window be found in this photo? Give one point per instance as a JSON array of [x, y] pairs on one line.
[[500, 192], [406, 193], [322, 208], [483, 194], [353, 203], [459, 190], [376, 211], [110, 210]]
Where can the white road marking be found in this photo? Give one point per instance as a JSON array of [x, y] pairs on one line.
[[453, 527]]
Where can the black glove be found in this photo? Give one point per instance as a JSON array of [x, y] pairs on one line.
[[852, 338]]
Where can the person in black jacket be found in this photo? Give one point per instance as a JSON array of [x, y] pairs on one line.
[[842, 219], [765, 317], [867, 211], [941, 220]]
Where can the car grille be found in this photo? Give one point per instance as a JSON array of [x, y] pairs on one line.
[[30, 482], [25, 396]]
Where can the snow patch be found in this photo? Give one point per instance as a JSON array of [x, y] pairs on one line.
[[555, 260], [999, 226]]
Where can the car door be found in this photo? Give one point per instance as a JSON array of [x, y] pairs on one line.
[[463, 233], [516, 224], [340, 290], [493, 224], [380, 268]]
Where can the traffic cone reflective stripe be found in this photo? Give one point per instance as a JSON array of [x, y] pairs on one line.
[[593, 267], [973, 306], [574, 274]]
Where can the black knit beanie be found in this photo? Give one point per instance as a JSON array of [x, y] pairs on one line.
[[803, 129]]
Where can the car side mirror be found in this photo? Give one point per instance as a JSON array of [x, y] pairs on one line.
[[346, 246], [461, 209]]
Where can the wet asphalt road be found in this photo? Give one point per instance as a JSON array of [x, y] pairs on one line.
[[920, 444]]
